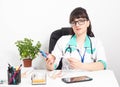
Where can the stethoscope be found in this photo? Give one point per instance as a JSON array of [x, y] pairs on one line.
[[69, 48]]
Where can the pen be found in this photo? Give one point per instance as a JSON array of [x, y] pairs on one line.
[[43, 54], [10, 81], [9, 67]]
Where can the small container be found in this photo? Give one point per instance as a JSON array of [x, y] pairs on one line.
[[38, 78]]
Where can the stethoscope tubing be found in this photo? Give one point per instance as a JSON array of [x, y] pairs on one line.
[[82, 57]]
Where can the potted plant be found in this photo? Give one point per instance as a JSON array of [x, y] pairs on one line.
[[27, 50]]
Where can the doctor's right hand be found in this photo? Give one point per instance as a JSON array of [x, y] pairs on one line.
[[50, 62]]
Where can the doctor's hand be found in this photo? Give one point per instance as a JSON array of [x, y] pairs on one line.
[[50, 62], [75, 63]]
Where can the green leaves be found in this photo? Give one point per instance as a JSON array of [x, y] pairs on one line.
[[26, 48]]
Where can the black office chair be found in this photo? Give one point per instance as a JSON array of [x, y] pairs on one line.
[[55, 36]]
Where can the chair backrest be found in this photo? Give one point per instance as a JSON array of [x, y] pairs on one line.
[[55, 35]]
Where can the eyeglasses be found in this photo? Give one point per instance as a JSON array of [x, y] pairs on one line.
[[79, 22]]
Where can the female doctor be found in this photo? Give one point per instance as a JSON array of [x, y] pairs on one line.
[[81, 50]]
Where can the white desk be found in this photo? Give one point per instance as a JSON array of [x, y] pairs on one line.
[[103, 78]]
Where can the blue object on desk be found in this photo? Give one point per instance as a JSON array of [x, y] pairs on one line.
[[2, 81], [43, 54]]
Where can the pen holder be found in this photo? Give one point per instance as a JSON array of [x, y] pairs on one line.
[[14, 77]]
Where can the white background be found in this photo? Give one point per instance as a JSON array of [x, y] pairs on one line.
[[36, 19]]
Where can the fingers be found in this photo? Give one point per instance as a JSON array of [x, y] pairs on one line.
[[69, 59], [74, 63], [50, 59], [73, 60], [50, 62]]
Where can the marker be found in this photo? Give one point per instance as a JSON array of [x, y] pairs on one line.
[[43, 54], [9, 67]]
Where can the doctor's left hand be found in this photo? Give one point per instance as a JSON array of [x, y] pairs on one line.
[[75, 63]]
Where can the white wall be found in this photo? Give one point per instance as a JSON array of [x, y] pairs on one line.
[[36, 19]]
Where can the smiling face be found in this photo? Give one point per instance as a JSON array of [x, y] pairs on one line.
[[80, 22], [80, 26]]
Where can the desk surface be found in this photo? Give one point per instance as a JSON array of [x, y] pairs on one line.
[[103, 78]]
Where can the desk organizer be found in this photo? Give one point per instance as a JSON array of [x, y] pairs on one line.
[[14, 75]]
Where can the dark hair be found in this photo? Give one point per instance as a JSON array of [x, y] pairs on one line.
[[80, 12]]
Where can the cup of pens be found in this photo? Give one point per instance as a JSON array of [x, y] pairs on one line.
[[14, 75]]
